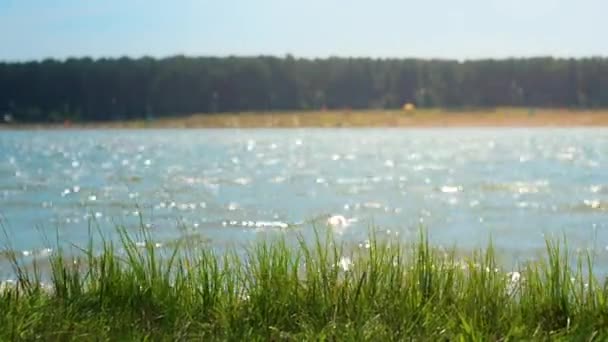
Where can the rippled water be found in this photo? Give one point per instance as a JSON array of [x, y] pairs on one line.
[[230, 186]]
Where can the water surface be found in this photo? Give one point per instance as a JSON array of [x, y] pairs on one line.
[[232, 186]]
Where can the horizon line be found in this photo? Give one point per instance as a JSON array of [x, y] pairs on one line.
[[290, 55]]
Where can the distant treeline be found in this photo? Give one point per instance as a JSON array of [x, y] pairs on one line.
[[116, 89]]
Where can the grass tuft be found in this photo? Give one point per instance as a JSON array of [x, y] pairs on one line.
[[320, 290]]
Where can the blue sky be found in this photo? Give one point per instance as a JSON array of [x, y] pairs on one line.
[[458, 29]]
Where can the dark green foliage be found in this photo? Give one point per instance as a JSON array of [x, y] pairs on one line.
[[119, 89]]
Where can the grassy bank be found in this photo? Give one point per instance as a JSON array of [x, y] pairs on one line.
[[485, 117], [382, 291]]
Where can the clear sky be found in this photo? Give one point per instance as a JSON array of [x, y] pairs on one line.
[[458, 29]]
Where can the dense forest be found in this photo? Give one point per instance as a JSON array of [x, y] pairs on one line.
[[124, 88]]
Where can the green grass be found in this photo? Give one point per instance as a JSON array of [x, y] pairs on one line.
[[275, 291]]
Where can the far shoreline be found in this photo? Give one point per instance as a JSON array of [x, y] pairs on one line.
[[419, 118]]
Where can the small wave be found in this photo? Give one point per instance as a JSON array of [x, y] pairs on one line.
[[525, 205], [339, 223], [351, 181], [27, 253], [255, 224], [278, 179], [590, 205], [372, 205], [242, 181], [598, 189], [450, 189], [429, 167], [148, 244], [518, 187], [596, 204]]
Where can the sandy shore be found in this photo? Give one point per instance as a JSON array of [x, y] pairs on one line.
[[501, 117]]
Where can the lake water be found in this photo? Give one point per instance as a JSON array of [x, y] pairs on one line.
[[233, 186]]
